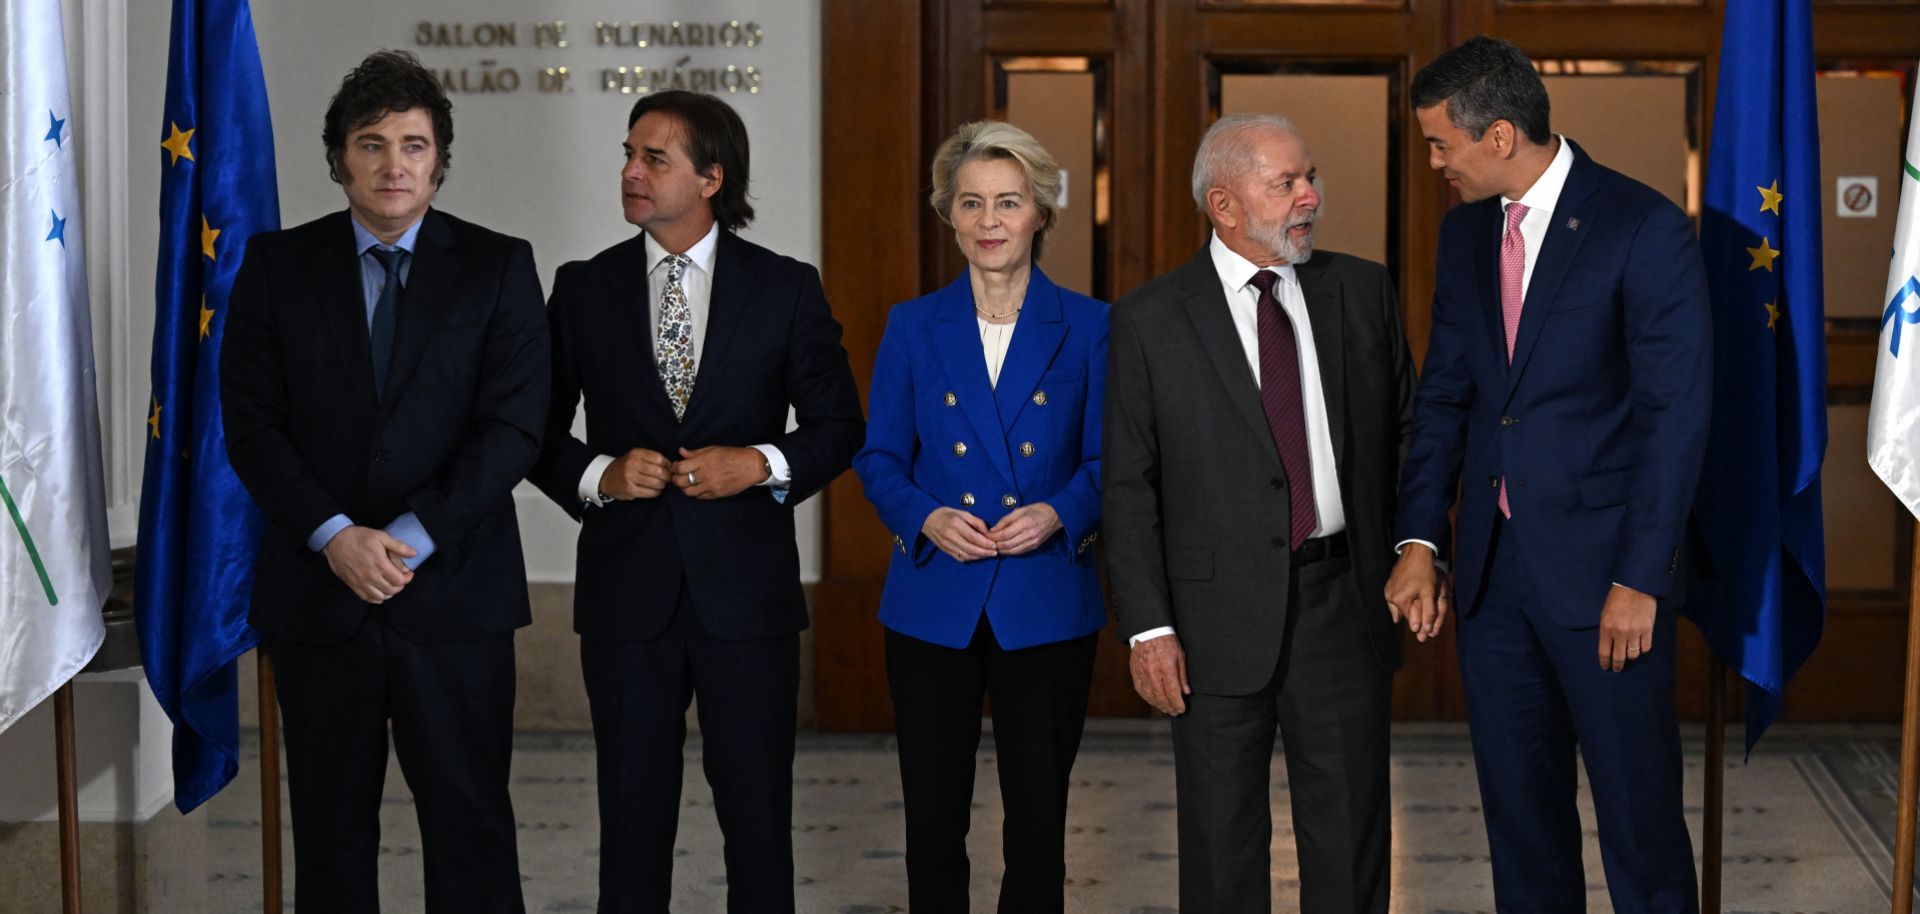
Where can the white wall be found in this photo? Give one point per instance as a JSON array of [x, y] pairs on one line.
[[539, 165]]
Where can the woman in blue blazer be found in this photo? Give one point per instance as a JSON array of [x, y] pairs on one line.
[[983, 458]]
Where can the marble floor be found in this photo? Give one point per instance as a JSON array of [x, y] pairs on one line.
[[1809, 827]]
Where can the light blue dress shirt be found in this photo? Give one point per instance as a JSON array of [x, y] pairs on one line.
[[373, 278]]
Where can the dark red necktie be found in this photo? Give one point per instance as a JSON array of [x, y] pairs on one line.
[[1280, 399]]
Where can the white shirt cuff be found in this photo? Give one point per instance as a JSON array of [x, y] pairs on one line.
[[779, 474], [589, 489], [1149, 635], [1438, 562], [1401, 547]]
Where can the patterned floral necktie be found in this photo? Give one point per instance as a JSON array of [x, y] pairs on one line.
[[673, 346]]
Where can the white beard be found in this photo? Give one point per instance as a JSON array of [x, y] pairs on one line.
[[1276, 238]]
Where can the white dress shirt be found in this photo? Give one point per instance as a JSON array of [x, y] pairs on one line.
[[1539, 201], [1243, 302], [696, 281]]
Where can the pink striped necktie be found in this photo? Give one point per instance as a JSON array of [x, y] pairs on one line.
[[1513, 268]]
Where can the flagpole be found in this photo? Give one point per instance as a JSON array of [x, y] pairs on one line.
[[1714, 812], [269, 784], [1909, 747], [69, 799]]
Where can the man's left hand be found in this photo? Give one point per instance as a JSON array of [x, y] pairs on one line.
[[1626, 627], [718, 472]]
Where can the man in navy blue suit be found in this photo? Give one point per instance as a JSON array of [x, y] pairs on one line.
[[1565, 399]]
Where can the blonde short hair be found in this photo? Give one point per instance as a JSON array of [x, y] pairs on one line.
[[985, 140]]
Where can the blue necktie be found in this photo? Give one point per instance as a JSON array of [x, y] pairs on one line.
[[385, 316]]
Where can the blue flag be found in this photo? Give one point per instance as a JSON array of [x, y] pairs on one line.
[[199, 531], [1761, 600]]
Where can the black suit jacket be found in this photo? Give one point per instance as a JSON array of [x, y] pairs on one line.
[[771, 342], [1195, 503], [458, 426]]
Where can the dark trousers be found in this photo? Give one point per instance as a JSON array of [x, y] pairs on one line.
[[1039, 711], [639, 692], [450, 708], [1329, 698], [1534, 689]]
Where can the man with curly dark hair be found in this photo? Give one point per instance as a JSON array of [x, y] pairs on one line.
[[384, 383]]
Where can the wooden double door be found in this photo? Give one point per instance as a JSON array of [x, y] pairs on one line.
[[1120, 91]]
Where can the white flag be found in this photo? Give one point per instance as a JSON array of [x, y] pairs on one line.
[[1893, 423], [54, 570]]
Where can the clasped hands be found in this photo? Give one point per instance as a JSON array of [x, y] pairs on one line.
[[706, 473], [369, 562], [967, 538], [1416, 594]]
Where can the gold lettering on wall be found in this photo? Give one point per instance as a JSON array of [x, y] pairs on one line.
[[680, 71], [466, 35]]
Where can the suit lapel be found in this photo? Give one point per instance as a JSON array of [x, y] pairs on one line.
[[1213, 324], [630, 304], [343, 306], [429, 288], [1557, 252], [1486, 254], [1325, 311], [728, 297], [956, 340], [1036, 337]]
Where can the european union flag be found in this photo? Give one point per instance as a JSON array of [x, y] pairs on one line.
[[198, 529], [1762, 598]]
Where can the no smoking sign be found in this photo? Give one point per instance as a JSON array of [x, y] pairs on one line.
[[1856, 196]]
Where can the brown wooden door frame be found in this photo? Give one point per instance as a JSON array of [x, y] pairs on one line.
[[899, 75]]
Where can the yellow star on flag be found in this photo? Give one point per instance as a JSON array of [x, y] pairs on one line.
[[180, 143], [1762, 256], [153, 421], [1773, 314], [1770, 198], [206, 318], [208, 235]]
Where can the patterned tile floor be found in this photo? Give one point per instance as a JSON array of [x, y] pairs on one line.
[[1809, 827]]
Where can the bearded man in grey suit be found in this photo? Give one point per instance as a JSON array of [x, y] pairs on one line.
[[1258, 401]]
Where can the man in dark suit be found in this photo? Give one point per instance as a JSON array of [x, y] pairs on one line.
[[384, 383], [689, 345], [1257, 400], [1565, 399]]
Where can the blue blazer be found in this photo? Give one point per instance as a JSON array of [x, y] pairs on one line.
[[1600, 423], [940, 434]]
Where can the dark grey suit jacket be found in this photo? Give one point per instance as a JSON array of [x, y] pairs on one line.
[[1195, 499]]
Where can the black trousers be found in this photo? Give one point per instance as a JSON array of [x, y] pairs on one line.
[[1330, 700], [639, 692], [1039, 711], [450, 710]]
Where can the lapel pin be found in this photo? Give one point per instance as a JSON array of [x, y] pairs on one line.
[[1573, 224]]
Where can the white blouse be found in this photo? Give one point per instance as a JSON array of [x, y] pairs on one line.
[[994, 340]]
